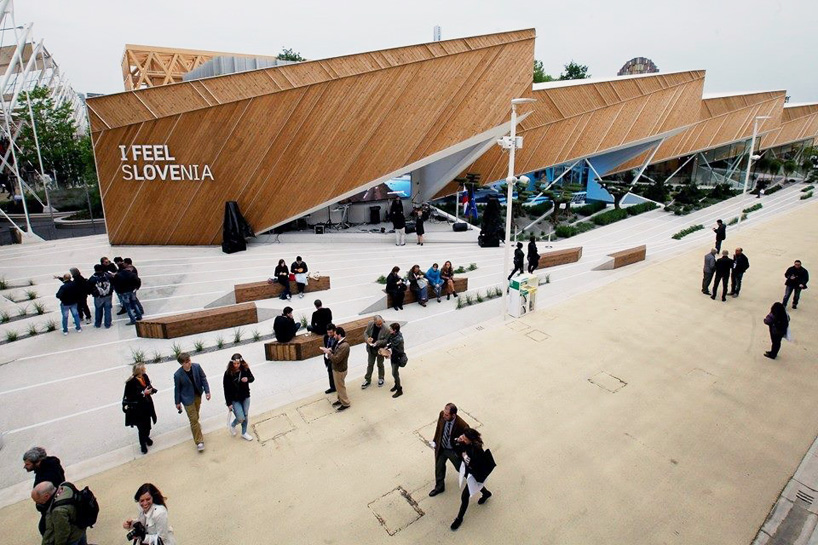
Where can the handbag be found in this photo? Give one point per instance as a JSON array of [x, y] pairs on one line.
[[404, 359], [292, 277], [422, 283]]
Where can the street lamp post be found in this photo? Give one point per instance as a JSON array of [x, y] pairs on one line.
[[510, 181], [750, 157]]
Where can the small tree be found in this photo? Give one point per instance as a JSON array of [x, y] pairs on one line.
[[789, 167], [559, 197], [575, 71], [539, 73], [290, 55], [774, 167]]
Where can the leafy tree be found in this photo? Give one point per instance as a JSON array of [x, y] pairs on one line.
[[290, 55], [657, 191], [539, 73], [762, 164], [561, 199], [774, 167], [789, 167], [62, 149], [617, 190], [575, 71]]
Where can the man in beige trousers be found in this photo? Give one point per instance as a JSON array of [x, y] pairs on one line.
[[339, 357]]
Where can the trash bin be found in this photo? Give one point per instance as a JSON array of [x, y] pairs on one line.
[[374, 214]]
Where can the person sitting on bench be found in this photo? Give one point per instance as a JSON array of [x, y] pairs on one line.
[[285, 327]]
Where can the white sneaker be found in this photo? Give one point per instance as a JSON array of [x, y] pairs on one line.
[[289, 297], [301, 295], [232, 429], [200, 447], [246, 436], [65, 333], [79, 330]]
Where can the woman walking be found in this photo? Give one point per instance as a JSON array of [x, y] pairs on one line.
[[237, 379], [779, 322], [533, 255], [447, 276], [153, 527], [479, 463], [138, 405], [397, 356]]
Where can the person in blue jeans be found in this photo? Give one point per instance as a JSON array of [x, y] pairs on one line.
[[237, 379], [125, 285], [101, 286], [435, 282], [69, 295]]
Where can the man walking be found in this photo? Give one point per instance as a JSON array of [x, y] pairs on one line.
[[519, 260], [376, 335], [60, 514], [723, 267], [709, 269], [721, 233], [47, 469], [189, 381], [740, 266], [101, 287], [339, 358], [449, 426], [797, 278]]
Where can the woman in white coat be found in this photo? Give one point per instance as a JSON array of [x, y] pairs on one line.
[[153, 527]]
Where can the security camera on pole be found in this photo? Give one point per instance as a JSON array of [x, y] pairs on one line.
[[511, 143]]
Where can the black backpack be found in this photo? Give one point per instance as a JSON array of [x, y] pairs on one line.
[[86, 504]]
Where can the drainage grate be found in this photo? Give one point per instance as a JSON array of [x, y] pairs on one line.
[[804, 497]]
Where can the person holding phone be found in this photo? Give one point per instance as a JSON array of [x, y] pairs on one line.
[[137, 404]]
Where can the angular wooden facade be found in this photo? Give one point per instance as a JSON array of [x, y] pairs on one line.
[[577, 119], [282, 141], [149, 66], [799, 122], [722, 120]]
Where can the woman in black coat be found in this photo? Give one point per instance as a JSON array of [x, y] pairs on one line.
[[779, 322], [419, 219], [398, 219], [236, 382], [479, 464], [396, 288], [282, 276], [138, 405]]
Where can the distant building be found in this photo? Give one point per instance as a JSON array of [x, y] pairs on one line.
[[638, 65], [436, 34]]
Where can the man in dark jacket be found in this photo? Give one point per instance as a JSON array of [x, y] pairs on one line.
[[138, 283], [320, 318], [449, 427], [708, 270], [189, 381], [723, 267], [60, 514], [797, 278], [338, 356], [285, 327], [46, 469], [721, 233], [740, 266], [125, 284], [70, 294], [299, 269], [519, 260], [101, 287]]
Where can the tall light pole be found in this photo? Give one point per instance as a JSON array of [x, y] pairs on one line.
[[512, 145], [750, 153]]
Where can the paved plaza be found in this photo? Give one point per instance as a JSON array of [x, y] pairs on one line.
[[629, 409]]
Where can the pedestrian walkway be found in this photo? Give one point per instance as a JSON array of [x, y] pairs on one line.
[[630, 409]]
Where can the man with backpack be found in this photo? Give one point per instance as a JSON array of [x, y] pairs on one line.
[[101, 287], [68, 512]]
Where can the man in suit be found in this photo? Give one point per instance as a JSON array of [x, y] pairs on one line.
[[329, 343], [449, 427], [740, 266], [709, 269], [723, 267], [189, 381], [339, 360]]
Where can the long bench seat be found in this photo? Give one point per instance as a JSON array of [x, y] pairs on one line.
[[559, 257], [303, 347], [624, 257], [461, 284], [255, 291], [200, 321]]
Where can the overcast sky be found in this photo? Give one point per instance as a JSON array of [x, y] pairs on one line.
[[746, 45]]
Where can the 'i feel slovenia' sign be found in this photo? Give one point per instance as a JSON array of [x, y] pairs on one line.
[[158, 164]]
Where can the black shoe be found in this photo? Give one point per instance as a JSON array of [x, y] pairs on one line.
[[455, 294], [794, 307], [436, 491], [121, 312], [330, 391], [393, 388], [144, 449], [456, 523], [769, 355], [149, 442], [448, 296], [483, 498], [723, 299], [400, 307], [398, 393], [713, 297], [705, 292], [343, 408], [396, 308], [336, 403]]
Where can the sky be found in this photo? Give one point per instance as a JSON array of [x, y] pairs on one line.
[[744, 46]]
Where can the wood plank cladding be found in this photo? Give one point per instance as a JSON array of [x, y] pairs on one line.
[[798, 122], [284, 140], [256, 291], [201, 321], [723, 120], [575, 120]]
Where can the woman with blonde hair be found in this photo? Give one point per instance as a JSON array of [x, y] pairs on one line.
[[137, 404], [237, 379]]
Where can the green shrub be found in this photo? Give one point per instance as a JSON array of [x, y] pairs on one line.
[[256, 335], [687, 231], [757, 206], [641, 208], [198, 345], [479, 298], [773, 189], [4, 317], [238, 333], [31, 295], [157, 357], [806, 196], [689, 194], [721, 192], [733, 221], [611, 216], [808, 188], [51, 325], [138, 356], [12, 336], [3, 284], [381, 279], [566, 231], [472, 267], [219, 342], [39, 308], [32, 330], [176, 348], [590, 208], [459, 270]]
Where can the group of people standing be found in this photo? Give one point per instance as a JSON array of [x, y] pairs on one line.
[[120, 277], [397, 216], [437, 280]]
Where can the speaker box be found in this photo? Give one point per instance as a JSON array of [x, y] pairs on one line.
[[460, 226], [410, 226], [319, 229]]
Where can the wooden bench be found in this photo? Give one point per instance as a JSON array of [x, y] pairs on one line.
[[201, 321], [461, 284], [255, 291], [303, 347], [560, 257], [623, 258]]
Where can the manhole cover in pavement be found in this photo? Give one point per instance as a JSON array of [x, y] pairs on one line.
[[269, 429], [537, 335], [608, 382], [517, 326], [315, 410], [396, 510], [427, 432]]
